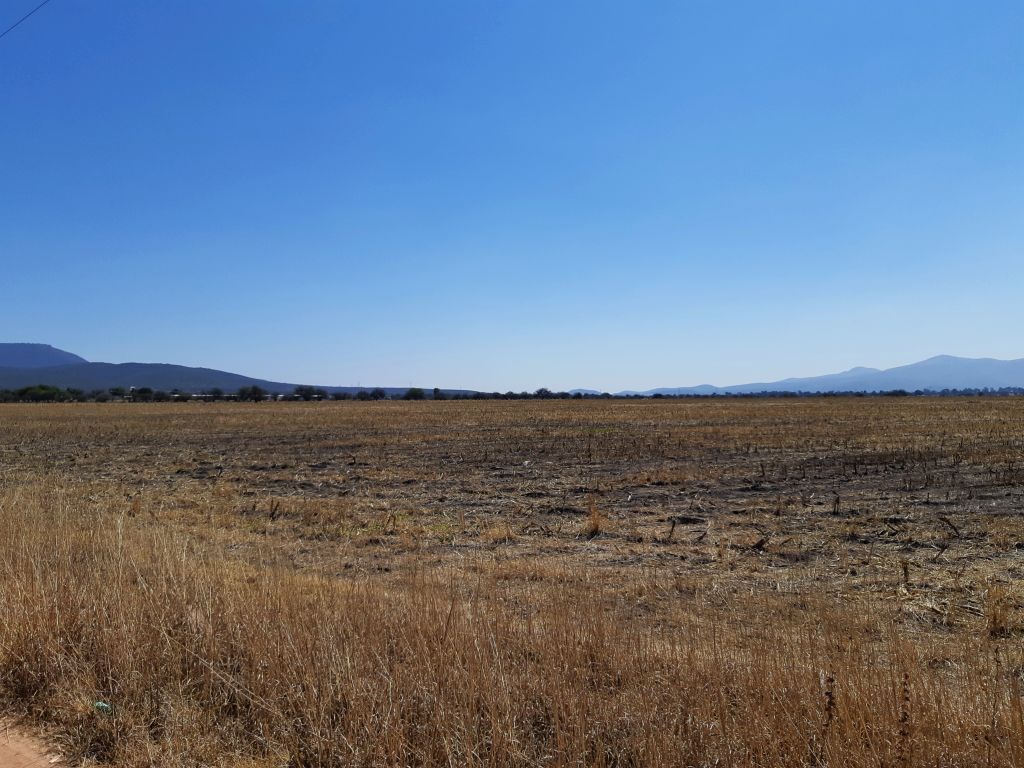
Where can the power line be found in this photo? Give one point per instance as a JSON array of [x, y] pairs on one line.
[[23, 18]]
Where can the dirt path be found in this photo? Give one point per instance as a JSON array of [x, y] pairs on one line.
[[19, 750]]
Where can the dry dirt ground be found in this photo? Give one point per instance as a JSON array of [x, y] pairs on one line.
[[18, 750], [679, 511], [915, 500]]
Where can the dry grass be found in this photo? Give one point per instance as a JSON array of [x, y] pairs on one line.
[[739, 583]]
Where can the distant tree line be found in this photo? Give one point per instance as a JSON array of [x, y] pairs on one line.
[[43, 393], [965, 392]]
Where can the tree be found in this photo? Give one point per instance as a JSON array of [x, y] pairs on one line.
[[414, 393], [143, 395], [305, 393], [378, 394], [253, 394], [308, 393], [42, 393], [439, 395]]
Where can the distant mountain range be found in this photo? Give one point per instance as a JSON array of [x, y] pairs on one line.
[[25, 365], [35, 356], [935, 374]]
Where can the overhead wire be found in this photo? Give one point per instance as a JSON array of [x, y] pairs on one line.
[[24, 18]]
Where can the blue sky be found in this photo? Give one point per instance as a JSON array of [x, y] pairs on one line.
[[514, 195]]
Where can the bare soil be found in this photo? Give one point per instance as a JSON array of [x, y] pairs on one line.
[[19, 750]]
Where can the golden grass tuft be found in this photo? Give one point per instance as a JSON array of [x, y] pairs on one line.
[[205, 659]]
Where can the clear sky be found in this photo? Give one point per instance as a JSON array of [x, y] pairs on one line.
[[509, 195]]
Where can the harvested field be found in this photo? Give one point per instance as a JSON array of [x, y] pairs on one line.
[[830, 581]]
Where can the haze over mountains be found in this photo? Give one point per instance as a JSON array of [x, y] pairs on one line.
[[25, 365], [934, 374]]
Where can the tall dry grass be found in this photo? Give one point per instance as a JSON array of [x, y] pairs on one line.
[[208, 661]]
